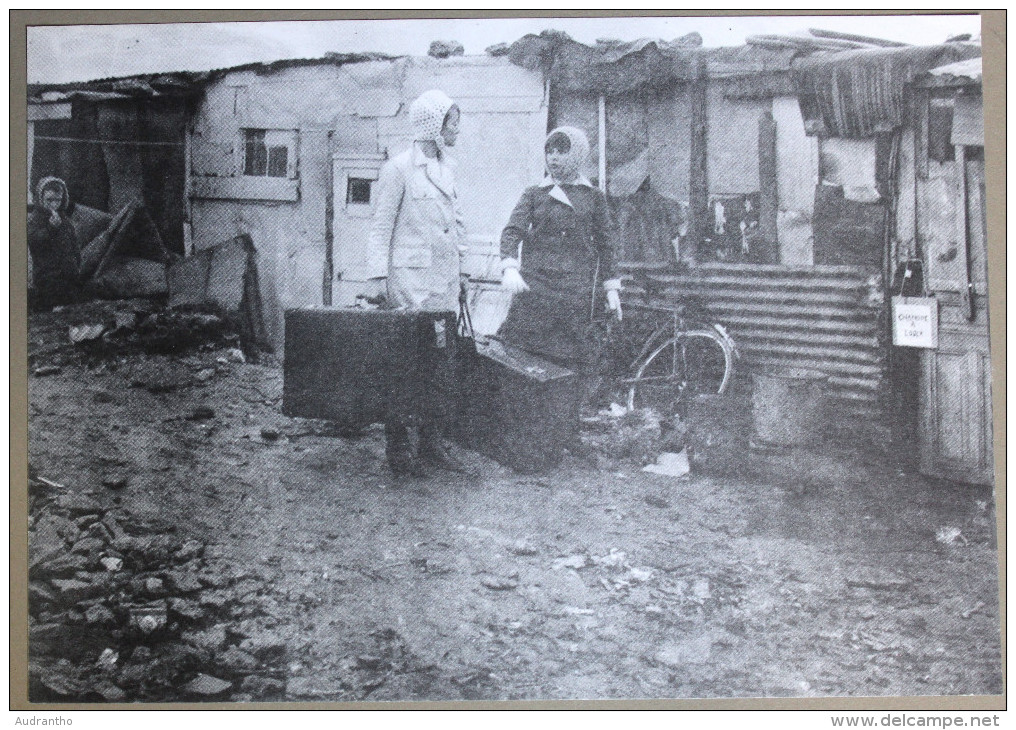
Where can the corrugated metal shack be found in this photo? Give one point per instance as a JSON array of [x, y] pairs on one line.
[[761, 180]]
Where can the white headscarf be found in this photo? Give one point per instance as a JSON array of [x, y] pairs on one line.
[[578, 155], [427, 115]]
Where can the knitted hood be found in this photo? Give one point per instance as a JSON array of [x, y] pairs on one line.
[[427, 115]]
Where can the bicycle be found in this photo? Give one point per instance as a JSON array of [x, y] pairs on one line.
[[680, 359]]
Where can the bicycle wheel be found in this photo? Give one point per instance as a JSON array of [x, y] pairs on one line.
[[693, 363]]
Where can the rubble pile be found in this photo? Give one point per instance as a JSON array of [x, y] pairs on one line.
[[639, 436], [122, 610], [99, 331]]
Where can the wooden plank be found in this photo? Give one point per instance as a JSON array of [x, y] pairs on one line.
[[698, 175], [768, 198]]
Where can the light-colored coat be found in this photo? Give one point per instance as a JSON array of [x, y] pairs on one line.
[[418, 238]]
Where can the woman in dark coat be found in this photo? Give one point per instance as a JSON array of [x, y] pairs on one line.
[[53, 244], [558, 257]]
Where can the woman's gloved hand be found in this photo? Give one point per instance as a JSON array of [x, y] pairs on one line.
[[512, 281], [614, 303]]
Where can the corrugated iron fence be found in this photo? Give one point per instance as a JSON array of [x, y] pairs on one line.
[[827, 318]]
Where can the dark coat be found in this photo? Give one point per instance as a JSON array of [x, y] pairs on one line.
[[56, 255], [568, 249]]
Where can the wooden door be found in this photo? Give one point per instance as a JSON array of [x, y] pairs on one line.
[[354, 188], [956, 430]]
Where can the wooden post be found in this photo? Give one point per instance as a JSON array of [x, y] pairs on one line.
[[698, 178], [768, 184], [963, 233], [601, 142], [188, 222], [329, 271]]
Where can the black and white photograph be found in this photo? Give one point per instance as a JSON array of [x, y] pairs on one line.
[[514, 359]]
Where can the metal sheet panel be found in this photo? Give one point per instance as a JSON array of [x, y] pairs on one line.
[[825, 318]]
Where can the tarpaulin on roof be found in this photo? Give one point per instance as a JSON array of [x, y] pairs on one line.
[[614, 67], [608, 68], [859, 93]]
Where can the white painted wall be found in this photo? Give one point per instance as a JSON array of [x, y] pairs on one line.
[[355, 108]]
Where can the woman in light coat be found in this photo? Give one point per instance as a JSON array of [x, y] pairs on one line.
[[418, 238], [417, 243]]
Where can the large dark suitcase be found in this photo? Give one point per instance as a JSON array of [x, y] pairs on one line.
[[361, 366], [516, 408]]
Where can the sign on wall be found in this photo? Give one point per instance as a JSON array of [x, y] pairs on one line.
[[915, 322]]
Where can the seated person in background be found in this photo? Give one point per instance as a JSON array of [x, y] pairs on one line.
[[53, 244]]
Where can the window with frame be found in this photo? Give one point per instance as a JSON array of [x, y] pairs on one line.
[[358, 190], [269, 153]]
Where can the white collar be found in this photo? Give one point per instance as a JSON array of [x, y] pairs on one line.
[[443, 157], [558, 193], [548, 182]]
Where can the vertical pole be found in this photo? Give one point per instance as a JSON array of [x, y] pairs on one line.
[[601, 142], [698, 182], [329, 270], [768, 184], [967, 295], [31, 149], [188, 228]]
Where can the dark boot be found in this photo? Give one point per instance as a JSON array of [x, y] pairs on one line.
[[434, 452], [399, 451]]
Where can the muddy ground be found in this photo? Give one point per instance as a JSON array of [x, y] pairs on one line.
[[189, 542]]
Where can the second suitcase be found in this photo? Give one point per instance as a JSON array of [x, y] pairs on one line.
[[517, 408]]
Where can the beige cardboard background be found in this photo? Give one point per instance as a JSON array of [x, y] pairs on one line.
[[994, 47]]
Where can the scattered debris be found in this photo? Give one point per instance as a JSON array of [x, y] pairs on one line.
[[115, 480], [638, 436], [204, 375], [670, 464], [108, 659], [270, 434], [496, 583], [976, 608], [86, 332], [613, 559], [575, 562], [235, 354], [950, 536], [207, 685], [523, 547], [640, 575], [148, 619], [201, 413]]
